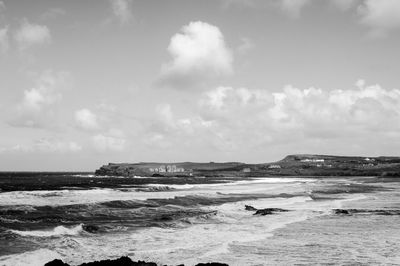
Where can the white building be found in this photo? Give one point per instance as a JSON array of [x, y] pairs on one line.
[[274, 166]]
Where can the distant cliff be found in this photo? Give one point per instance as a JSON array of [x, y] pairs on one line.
[[291, 165]]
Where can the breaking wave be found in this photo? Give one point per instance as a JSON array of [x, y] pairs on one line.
[[57, 231]]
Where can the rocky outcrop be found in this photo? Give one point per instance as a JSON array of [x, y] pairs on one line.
[[266, 211], [249, 208], [124, 261], [366, 211], [341, 211]]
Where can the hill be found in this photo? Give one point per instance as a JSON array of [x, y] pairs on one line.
[[291, 165]]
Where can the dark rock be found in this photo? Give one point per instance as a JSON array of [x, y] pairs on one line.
[[249, 208], [268, 211], [90, 228], [212, 264], [366, 211], [123, 261], [56, 262], [341, 211]]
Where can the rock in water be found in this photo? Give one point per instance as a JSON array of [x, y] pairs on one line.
[[366, 211], [90, 228], [268, 211], [341, 211], [249, 208], [123, 261], [212, 264]]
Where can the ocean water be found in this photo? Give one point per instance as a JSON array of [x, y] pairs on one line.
[[78, 217]]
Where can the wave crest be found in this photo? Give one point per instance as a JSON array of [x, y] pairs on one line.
[[57, 231]]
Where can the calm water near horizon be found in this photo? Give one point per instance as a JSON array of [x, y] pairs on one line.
[[78, 217]]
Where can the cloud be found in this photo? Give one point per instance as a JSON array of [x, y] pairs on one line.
[[166, 130], [240, 3], [4, 42], [52, 13], [380, 16], [29, 34], [199, 52], [2, 6], [44, 145], [345, 4], [122, 10], [293, 7], [113, 140], [246, 45], [240, 119], [2, 9], [35, 108], [86, 119]]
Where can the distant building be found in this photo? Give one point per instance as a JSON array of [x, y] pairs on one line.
[[274, 166], [247, 170], [162, 169]]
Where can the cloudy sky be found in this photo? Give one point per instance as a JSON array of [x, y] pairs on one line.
[[84, 83]]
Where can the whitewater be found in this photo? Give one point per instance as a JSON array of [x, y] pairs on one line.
[[190, 223]]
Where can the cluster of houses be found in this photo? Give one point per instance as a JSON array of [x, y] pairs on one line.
[[167, 169]]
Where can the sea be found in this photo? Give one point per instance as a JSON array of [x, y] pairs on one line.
[[80, 217]]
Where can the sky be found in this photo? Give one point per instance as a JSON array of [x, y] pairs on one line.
[[84, 83]]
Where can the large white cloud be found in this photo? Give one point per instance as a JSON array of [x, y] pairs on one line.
[[380, 15], [198, 52], [30, 34], [233, 119]]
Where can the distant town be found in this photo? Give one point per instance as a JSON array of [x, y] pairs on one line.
[[167, 169]]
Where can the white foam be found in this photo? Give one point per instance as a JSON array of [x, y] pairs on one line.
[[67, 197], [33, 258], [58, 231], [261, 180], [84, 175], [232, 225]]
